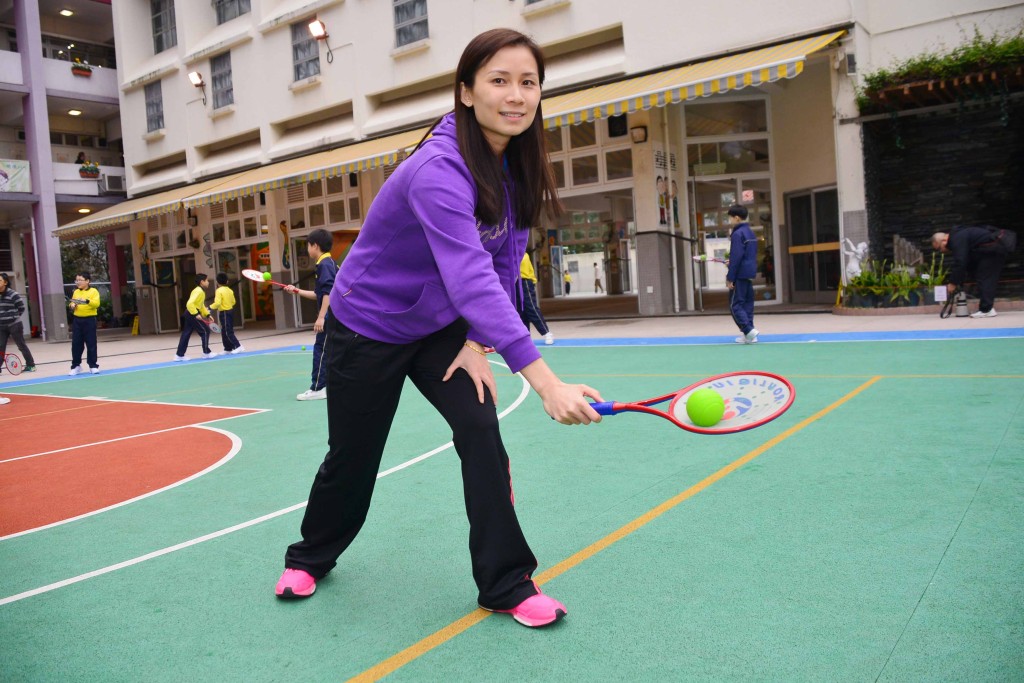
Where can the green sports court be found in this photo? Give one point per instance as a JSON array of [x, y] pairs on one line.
[[873, 532]]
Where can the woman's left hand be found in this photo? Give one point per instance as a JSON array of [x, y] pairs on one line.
[[479, 370]]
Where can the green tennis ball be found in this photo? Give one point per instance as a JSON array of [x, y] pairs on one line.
[[303, 348], [705, 407], [266, 276], [703, 257]]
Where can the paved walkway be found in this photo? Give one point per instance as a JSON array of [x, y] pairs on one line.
[[117, 349]]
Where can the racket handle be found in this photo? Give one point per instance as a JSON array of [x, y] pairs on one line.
[[605, 408]]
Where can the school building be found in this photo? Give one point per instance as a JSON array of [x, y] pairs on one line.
[[245, 124]]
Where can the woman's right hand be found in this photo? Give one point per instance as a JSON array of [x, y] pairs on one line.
[[565, 403]]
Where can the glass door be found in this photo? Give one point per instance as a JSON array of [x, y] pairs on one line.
[[228, 262], [303, 277], [168, 300], [814, 254]]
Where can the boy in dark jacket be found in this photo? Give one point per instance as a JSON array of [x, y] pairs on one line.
[[742, 270]]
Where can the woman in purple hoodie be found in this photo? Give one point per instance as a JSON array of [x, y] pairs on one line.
[[432, 280]]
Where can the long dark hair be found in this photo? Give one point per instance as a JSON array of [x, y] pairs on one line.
[[527, 157]]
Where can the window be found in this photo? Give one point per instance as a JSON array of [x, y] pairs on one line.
[[230, 9], [223, 94], [305, 52], [164, 34], [410, 21], [6, 253], [154, 107]]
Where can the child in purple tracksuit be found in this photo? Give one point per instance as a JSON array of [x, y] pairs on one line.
[[429, 283]]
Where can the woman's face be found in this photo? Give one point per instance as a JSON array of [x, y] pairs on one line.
[[505, 95]]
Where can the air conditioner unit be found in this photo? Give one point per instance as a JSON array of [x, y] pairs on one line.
[[111, 184]]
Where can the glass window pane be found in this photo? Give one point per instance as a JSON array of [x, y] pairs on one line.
[[218, 232], [558, 167], [316, 215], [231, 206], [745, 156], [553, 140], [249, 225], [234, 230], [801, 223], [724, 118], [336, 209], [336, 184], [179, 239], [353, 209], [297, 217], [704, 159], [619, 164], [249, 203], [165, 241], [584, 170], [154, 243], [829, 272], [582, 135], [826, 215], [803, 272], [314, 188]]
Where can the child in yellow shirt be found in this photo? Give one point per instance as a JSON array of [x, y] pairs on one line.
[[224, 304], [194, 319]]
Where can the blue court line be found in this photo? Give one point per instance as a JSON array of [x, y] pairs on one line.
[[151, 366], [898, 335], [895, 335]]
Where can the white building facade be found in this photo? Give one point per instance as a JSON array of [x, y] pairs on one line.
[[660, 114], [58, 100]]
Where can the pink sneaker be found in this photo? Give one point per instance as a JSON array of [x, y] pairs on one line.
[[295, 583], [535, 611]]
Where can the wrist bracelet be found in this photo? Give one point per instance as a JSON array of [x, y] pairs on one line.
[[469, 346]]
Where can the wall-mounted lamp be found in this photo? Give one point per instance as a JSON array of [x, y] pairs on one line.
[[638, 134], [318, 30], [196, 79]]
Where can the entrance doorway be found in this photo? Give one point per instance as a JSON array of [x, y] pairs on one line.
[[814, 253]]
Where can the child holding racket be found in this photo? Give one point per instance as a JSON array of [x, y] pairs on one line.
[[224, 304], [318, 246], [12, 307], [427, 285], [192, 320]]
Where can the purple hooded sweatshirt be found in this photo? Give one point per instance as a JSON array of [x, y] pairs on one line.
[[422, 260]]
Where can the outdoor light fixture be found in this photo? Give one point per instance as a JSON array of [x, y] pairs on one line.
[[196, 79], [85, 210], [74, 112], [639, 134], [318, 30], [66, 13]]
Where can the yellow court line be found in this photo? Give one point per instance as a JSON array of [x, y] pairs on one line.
[[424, 646]]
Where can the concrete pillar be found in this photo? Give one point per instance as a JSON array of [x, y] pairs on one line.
[[115, 266], [37, 151]]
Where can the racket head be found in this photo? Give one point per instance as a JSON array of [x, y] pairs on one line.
[[13, 363], [752, 398], [214, 327], [254, 275]]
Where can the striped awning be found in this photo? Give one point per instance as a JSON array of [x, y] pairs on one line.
[[361, 156], [168, 201], [684, 83]]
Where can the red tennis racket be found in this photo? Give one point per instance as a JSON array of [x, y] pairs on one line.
[[752, 399], [257, 276], [13, 363]]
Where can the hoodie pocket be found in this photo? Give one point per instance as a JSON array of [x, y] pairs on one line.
[[431, 312]]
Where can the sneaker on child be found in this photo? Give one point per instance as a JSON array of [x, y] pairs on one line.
[[295, 583], [991, 313], [310, 395], [535, 611]]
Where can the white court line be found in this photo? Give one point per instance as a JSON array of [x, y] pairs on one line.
[[130, 436], [238, 527]]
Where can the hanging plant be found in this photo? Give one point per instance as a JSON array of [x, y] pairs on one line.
[[80, 68]]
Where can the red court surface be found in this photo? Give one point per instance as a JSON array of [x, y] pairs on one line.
[[65, 457]]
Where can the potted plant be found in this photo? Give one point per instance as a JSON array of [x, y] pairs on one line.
[[867, 289], [89, 169], [934, 276], [80, 68]]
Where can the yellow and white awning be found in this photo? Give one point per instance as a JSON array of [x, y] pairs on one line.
[[684, 83], [361, 156], [139, 207]]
